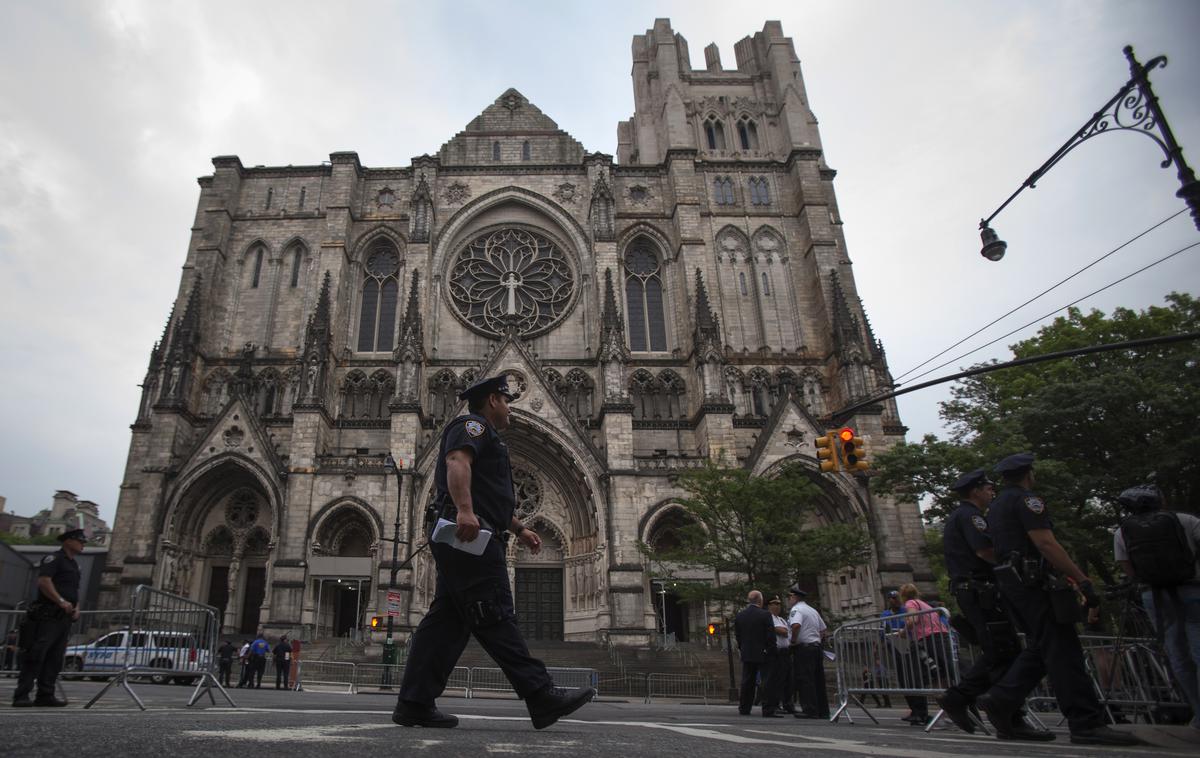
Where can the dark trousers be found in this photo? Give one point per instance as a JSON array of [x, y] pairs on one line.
[[244, 674], [43, 655], [808, 662], [281, 672], [1052, 649], [258, 666], [472, 597], [998, 646], [224, 667], [759, 677], [785, 680]]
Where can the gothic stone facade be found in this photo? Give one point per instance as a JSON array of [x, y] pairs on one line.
[[692, 299]]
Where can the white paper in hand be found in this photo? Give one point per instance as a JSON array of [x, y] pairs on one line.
[[445, 532]]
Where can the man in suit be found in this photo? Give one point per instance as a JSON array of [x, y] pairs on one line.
[[754, 629]]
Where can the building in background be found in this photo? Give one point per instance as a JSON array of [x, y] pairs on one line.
[[693, 299], [66, 512]]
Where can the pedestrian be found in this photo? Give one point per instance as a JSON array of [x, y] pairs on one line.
[[970, 558], [808, 657], [755, 633], [258, 660], [225, 655], [244, 660], [474, 489], [1161, 550], [781, 666], [283, 662], [48, 623], [929, 651], [1035, 575]]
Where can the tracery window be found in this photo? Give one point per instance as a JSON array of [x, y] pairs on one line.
[[714, 132], [364, 398], [377, 316], [511, 276], [723, 190], [644, 297], [760, 392], [528, 491], [657, 398], [747, 133], [760, 193]]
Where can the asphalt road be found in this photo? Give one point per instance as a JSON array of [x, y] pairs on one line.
[[303, 724]]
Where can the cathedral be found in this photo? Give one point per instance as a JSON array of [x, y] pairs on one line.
[[691, 299]]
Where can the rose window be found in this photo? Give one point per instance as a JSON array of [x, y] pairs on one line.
[[528, 491], [511, 276], [242, 510]]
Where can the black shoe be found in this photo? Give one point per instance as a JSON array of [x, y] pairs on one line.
[[801, 715], [552, 703], [1026, 733], [772, 715], [49, 702], [1103, 735], [789, 709], [22, 702], [957, 712], [411, 714], [1002, 718]]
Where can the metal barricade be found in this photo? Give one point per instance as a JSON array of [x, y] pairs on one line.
[[10, 634], [679, 686], [378, 676], [168, 637], [1130, 675], [485, 679], [326, 673], [873, 658]]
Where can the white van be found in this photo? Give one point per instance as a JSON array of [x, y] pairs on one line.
[[155, 649]]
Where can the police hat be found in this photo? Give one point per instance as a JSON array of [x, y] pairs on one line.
[[795, 590], [72, 534], [485, 387], [1015, 463], [971, 480], [893, 593]]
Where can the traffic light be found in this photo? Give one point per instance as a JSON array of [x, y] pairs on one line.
[[854, 455], [826, 455], [376, 622], [714, 630]]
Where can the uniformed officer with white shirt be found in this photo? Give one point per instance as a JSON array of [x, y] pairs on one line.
[[808, 659]]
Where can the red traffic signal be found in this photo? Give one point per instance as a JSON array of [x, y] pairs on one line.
[[853, 455]]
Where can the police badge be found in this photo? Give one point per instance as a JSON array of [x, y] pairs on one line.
[[1035, 504], [474, 428], [980, 523]]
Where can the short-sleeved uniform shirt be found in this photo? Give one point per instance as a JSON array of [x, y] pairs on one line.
[[966, 531], [1011, 515], [63, 572], [492, 494], [810, 622]]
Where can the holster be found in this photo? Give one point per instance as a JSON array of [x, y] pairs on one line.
[[1064, 601]]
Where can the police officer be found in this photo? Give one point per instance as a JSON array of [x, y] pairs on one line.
[[48, 625], [1033, 574], [474, 486], [969, 560]]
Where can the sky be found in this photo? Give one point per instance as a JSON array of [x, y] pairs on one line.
[[932, 113]]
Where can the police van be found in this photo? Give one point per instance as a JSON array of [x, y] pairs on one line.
[[154, 649]]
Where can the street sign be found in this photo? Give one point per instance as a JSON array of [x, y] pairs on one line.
[[393, 603]]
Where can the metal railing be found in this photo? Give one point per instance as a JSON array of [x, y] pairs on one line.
[[680, 687], [873, 658], [168, 637], [326, 673]]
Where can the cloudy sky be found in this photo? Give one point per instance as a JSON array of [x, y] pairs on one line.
[[932, 113]]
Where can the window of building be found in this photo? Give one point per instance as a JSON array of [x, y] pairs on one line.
[[303, 192], [525, 153], [747, 133], [258, 256], [760, 193], [714, 132], [297, 252], [742, 281], [495, 151], [766, 284], [377, 318], [644, 296], [723, 190], [270, 195]]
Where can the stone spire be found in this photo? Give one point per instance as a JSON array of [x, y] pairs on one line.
[[317, 351], [613, 353], [185, 336], [710, 353], [410, 347], [421, 207], [847, 336]]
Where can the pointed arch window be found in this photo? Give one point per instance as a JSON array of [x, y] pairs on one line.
[[377, 317], [747, 133], [714, 132], [297, 253], [742, 282], [258, 256], [723, 190], [766, 284], [644, 297], [496, 151], [760, 193], [525, 151]]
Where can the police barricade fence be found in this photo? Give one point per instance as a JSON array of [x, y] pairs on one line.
[[336, 674], [486, 679], [1132, 676], [908, 654], [680, 687], [382, 676], [168, 637]]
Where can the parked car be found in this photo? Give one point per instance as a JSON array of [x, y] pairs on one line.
[[123, 648]]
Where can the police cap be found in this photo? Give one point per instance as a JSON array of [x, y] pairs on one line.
[[971, 480], [795, 590], [485, 387], [73, 534], [1014, 463]]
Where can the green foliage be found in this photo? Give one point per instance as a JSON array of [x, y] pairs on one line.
[[754, 532], [1098, 424], [16, 539]]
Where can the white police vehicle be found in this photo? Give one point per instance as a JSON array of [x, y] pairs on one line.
[[154, 649]]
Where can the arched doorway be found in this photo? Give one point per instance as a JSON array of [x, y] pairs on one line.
[[341, 561], [675, 615]]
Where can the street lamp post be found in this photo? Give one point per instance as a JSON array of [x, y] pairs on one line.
[[1134, 108], [389, 648]]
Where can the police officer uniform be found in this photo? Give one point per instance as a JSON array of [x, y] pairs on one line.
[[472, 594], [47, 627], [973, 585], [1032, 588]]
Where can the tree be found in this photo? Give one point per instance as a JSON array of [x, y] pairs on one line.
[[16, 539], [754, 532], [1097, 423]]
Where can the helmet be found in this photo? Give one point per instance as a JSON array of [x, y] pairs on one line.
[[1144, 497]]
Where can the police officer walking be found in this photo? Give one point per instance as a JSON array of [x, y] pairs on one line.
[[474, 485], [1035, 575], [48, 626], [969, 561]]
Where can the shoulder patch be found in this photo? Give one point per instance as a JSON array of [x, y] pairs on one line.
[[48, 559], [474, 428], [1035, 504], [980, 523]]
